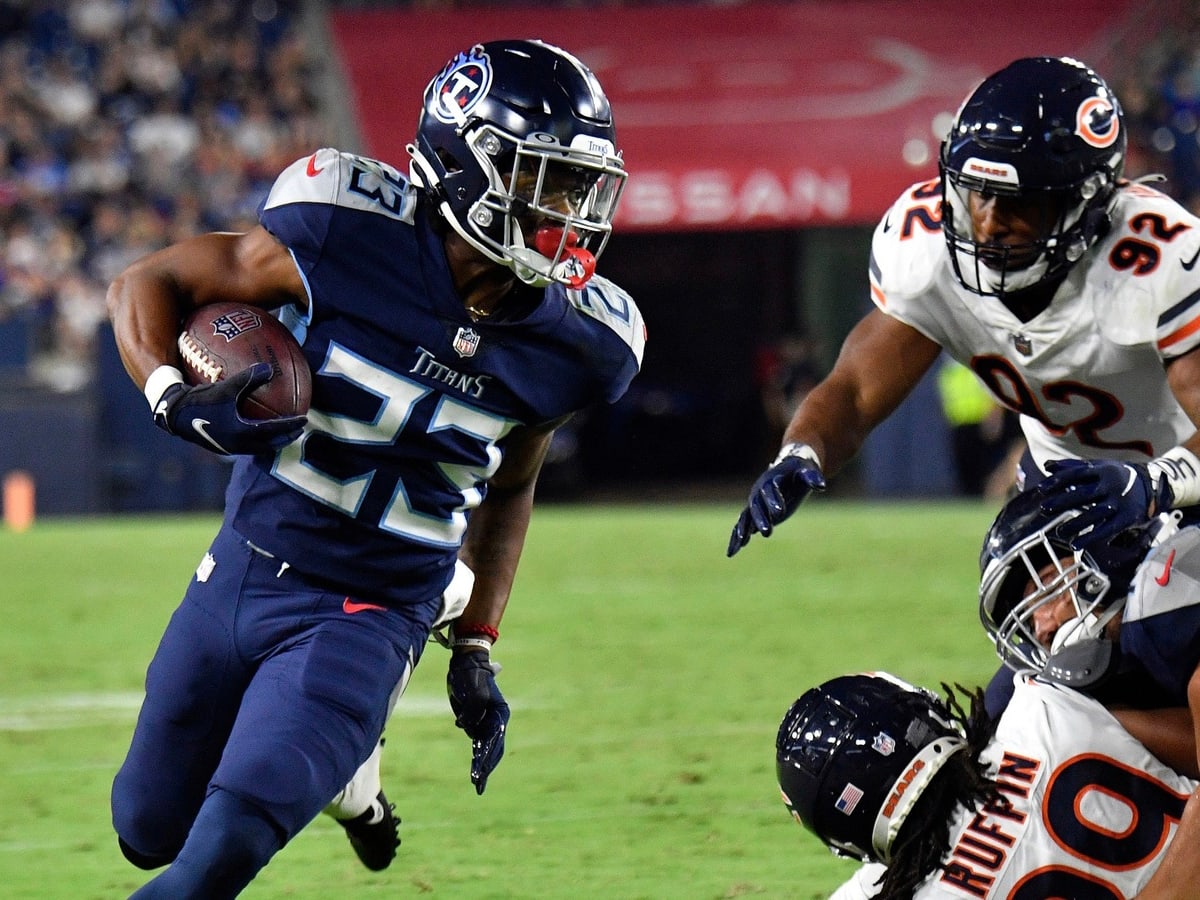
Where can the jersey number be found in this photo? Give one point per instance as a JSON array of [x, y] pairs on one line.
[[1006, 383], [1152, 808], [399, 397]]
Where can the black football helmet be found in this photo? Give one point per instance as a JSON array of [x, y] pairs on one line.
[[1025, 563], [516, 145], [854, 754], [1049, 131]]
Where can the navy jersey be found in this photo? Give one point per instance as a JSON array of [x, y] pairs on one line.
[[412, 400], [1160, 625]]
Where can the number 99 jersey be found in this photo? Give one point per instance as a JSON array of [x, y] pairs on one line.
[[1087, 374], [1087, 810]]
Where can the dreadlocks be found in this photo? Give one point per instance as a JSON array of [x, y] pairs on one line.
[[925, 837]]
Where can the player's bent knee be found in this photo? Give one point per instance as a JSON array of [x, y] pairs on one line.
[[144, 860]]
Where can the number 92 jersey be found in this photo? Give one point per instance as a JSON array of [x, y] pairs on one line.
[[1087, 374], [412, 400]]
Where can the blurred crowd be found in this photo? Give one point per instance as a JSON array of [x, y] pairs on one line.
[[126, 125], [1160, 94]]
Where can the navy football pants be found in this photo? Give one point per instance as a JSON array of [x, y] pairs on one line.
[[262, 700]]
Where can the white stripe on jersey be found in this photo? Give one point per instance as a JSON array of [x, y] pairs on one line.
[[610, 304], [344, 179]]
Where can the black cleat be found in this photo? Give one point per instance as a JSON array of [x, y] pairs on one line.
[[375, 834]]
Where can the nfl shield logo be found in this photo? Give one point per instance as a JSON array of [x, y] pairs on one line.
[[466, 342], [1023, 344], [234, 323], [884, 744]]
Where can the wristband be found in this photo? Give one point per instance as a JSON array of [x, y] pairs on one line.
[[797, 449], [1179, 468], [476, 643], [461, 629], [158, 382]]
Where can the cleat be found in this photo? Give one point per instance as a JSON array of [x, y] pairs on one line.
[[375, 834]]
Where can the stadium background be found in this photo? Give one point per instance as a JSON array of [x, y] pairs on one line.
[[764, 141], [647, 672]]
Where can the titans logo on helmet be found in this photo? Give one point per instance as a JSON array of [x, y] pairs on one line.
[[462, 84], [1097, 122]]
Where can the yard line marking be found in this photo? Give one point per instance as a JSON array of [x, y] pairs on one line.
[[54, 712]]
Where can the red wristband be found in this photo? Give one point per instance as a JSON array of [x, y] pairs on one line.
[[464, 629]]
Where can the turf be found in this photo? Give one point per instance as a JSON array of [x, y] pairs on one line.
[[647, 675]]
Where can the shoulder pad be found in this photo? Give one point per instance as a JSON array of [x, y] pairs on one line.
[[336, 178], [1169, 578], [907, 246], [610, 304]]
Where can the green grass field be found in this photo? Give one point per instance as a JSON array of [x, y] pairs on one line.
[[647, 675]]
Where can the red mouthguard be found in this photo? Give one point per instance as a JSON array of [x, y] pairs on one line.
[[576, 265]]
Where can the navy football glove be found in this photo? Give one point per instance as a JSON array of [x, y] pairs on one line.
[[480, 710], [207, 415], [1110, 495], [777, 493]]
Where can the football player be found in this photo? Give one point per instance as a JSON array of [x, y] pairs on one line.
[[1071, 292], [1120, 620], [1055, 799], [452, 321]]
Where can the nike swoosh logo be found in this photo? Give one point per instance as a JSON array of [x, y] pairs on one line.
[[350, 607], [200, 426], [887, 222], [1166, 572], [312, 171]]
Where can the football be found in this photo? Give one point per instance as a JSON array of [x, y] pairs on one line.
[[222, 339]]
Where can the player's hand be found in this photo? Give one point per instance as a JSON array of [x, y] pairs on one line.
[[1110, 495], [479, 709], [207, 415], [776, 494]]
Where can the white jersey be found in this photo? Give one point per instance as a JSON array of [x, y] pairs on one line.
[[1086, 374], [1089, 809]]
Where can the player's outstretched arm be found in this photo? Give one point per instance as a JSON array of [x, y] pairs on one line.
[[880, 363]]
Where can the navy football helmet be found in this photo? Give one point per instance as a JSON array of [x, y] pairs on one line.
[[854, 755], [516, 145], [1025, 563], [1046, 130]]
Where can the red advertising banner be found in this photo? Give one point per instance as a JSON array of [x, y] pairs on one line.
[[753, 115]]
